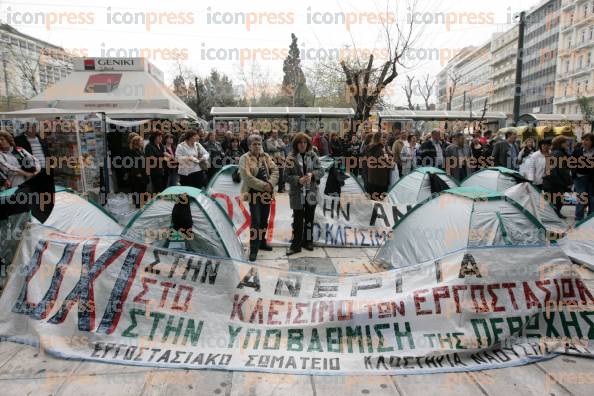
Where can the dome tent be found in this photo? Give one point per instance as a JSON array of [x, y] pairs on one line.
[[579, 242], [72, 214], [496, 178], [212, 233], [419, 185], [459, 218], [223, 181], [531, 199], [76, 215]]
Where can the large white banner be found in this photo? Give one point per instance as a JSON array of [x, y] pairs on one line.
[[113, 300]]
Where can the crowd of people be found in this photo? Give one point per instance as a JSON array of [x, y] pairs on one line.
[[268, 162]]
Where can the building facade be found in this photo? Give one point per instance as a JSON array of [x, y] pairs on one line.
[[575, 60], [504, 50], [539, 58], [28, 66], [473, 69]]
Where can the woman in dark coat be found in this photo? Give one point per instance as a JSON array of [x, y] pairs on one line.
[[155, 157], [378, 168], [304, 173], [137, 175], [216, 153], [558, 180]]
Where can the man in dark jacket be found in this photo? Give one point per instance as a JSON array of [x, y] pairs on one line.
[[432, 151], [557, 180], [583, 176], [505, 152]]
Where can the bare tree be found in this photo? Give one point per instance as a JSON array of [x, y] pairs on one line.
[[256, 82], [454, 79], [408, 91], [24, 64], [327, 84], [366, 81], [426, 89]]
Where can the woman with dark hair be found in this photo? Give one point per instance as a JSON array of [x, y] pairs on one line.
[[171, 169], [378, 168], [584, 176], [137, 175], [304, 173], [16, 164], [154, 153], [558, 180], [352, 153], [528, 147], [336, 146], [193, 161], [234, 152], [215, 152]]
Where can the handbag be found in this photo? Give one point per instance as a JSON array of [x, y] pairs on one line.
[[27, 163], [236, 177], [203, 163]]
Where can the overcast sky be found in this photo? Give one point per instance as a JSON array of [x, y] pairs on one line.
[[210, 34]]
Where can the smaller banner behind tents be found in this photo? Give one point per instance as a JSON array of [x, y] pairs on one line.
[[113, 300], [353, 220]]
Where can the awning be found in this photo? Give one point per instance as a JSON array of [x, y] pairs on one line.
[[388, 115], [48, 113], [329, 112], [120, 87]]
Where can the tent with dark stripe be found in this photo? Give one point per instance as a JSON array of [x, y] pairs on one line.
[[71, 214], [419, 185], [185, 218], [496, 178], [459, 218]]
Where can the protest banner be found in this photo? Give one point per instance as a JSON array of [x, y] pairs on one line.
[[118, 301], [350, 221]]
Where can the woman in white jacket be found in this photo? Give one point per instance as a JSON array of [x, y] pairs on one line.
[[193, 161], [408, 155]]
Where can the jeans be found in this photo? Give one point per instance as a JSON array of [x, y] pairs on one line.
[[259, 223], [584, 188], [303, 225], [196, 179]]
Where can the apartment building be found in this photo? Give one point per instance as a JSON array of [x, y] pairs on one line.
[[539, 58], [504, 50], [450, 79], [473, 69], [28, 66], [575, 59]]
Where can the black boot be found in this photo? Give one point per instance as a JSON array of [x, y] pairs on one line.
[[264, 245], [293, 250], [309, 246], [253, 250]]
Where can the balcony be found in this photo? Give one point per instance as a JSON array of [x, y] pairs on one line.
[[584, 20], [565, 99]]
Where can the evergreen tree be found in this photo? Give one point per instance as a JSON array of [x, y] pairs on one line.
[[294, 86]]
